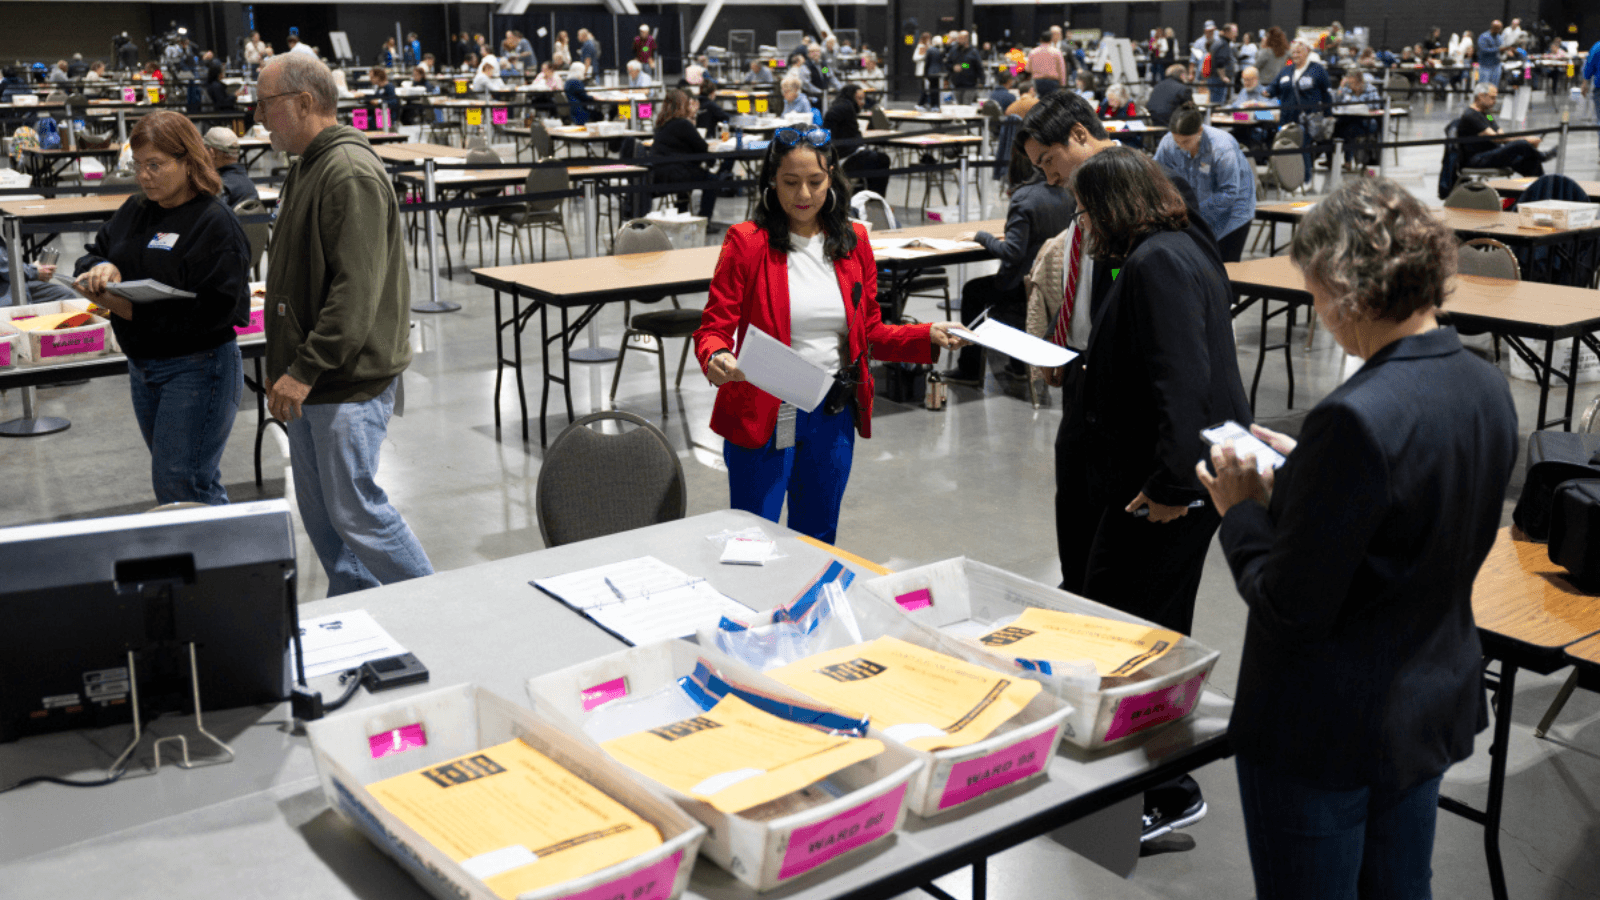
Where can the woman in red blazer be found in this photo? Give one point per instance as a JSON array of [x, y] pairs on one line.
[[802, 272]]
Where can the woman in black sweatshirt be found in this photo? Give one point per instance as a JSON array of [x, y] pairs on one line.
[[676, 135], [183, 360]]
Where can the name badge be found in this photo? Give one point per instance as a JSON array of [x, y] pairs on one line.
[[163, 241], [1305, 81]]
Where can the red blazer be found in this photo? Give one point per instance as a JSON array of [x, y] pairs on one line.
[[751, 287]]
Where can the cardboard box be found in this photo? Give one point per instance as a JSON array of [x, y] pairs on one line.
[[356, 749], [963, 595], [90, 340], [762, 853], [1557, 214], [1019, 750]]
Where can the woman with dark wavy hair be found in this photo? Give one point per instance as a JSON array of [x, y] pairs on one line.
[[802, 272], [1360, 682]]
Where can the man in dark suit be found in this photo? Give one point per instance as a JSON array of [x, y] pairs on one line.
[[1157, 575], [1173, 92]]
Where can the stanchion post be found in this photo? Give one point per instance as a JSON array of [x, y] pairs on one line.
[[591, 220], [122, 127], [961, 190], [1335, 173], [1383, 134], [593, 352], [19, 287], [1561, 151], [434, 305]]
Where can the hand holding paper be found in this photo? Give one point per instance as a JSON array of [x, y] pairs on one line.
[[1017, 344]]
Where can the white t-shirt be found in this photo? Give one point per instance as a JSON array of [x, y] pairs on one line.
[[305, 48], [816, 307]]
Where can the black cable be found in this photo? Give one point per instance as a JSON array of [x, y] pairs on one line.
[[67, 782], [351, 680]]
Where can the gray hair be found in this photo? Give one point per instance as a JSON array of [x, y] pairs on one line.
[[789, 81], [298, 72], [1117, 92], [1482, 88], [1376, 250]]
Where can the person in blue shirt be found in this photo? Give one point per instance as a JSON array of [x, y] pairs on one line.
[[1591, 74], [793, 100], [578, 98], [1002, 91], [1489, 47], [1354, 92], [1215, 166]]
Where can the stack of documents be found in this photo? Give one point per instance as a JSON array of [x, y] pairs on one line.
[[914, 248], [643, 600], [776, 368], [515, 819], [1117, 649], [1017, 344]]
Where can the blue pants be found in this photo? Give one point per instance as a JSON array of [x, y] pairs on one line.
[[1218, 89], [185, 406], [1309, 843], [812, 474], [359, 536]]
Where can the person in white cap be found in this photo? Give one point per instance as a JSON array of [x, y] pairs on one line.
[[236, 184], [1202, 44]]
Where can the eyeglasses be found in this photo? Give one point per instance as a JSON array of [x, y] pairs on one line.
[[262, 101], [816, 137], [154, 166]]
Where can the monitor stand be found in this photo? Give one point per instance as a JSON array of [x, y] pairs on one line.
[[184, 762]]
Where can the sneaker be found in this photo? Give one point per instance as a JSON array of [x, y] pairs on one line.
[[1161, 820]]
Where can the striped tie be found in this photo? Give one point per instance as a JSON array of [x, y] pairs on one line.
[[1069, 299]]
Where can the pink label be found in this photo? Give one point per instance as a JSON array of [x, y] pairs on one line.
[[498, 115], [915, 599], [1423, 78], [651, 883], [646, 110], [69, 344], [258, 323], [400, 740], [130, 95], [5, 354], [604, 693], [814, 845], [977, 777], [1241, 117], [1142, 711], [358, 119]]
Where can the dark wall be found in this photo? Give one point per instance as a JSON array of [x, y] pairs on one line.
[[33, 32]]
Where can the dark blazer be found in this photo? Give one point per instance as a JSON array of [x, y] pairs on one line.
[[1361, 661], [1037, 213], [840, 119], [678, 137], [1166, 97]]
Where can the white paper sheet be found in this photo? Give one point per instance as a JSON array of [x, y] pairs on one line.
[[589, 588], [147, 290], [344, 641], [643, 599], [776, 368], [1017, 344]]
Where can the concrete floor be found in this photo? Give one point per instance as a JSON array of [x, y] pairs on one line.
[[975, 479]]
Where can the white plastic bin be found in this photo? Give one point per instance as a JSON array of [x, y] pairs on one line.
[[965, 592], [460, 720], [85, 341], [1019, 750], [760, 853]]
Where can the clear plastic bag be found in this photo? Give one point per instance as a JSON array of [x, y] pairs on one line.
[[806, 628]]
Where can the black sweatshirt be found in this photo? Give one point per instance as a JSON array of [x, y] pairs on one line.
[[197, 247]]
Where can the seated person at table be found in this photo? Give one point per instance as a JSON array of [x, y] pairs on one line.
[[236, 184], [793, 100], [578, 98], [1354, 92], [1487, 150], [97, 72], [58, 73], [711, 116], [547, 79], [1001, 94], [1251, 92], [1116, 105], [487, 80], [1027, 98], [1083, 85], [637, 76], [842, 122], [383, 92], [872, 78], [1223, 179], [36, 283], [417, 110], [676, 135], [759, 73], [1171, 93], [469, 63]]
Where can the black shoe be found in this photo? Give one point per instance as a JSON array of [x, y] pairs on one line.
[[1548, 155], [1172, 806], [956, 376], [1015, 386]]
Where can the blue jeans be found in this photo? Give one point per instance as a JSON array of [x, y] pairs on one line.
[[812, 474], [360, 538], [1218, 89], [185, 406], [1309, 843]]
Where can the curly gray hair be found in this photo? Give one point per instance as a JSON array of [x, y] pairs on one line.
[[1376, 250]]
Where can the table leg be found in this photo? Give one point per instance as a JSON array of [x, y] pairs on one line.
[[19, 288], [1544, 384], [566, 365], [1261, 354], [499, 359], [1572, 381], [544, 393], [1499, 749], [32, 424]]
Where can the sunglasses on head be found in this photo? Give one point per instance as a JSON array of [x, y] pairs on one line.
[[816, 137]]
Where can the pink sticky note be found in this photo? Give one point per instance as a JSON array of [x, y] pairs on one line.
[[498, 115], [130, 95], [813, 845], [401, 739], [650, 883], [1241, 117], [1141, 711], [601, 694], [915, 600], [70, 344], [5, 354], [1423, 77], [358, 119], [645, 110], [977, 777]]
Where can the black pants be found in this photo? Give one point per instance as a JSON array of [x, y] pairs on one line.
[[868, 159], [1519, 156], [1008, 307], [1148, 569], [930, 91], [1231, 245]]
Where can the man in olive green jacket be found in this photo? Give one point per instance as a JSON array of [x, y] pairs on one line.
[[337, 325]]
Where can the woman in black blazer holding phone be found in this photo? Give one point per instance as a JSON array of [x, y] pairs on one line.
[[1360, 682]]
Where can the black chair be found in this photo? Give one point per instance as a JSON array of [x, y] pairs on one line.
[[640, 236], [543, 214], [593, 484]]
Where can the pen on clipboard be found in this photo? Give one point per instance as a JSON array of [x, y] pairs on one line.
[[1144, 511], [614, 589]]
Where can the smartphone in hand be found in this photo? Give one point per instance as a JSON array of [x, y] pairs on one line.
[[1244, 442]]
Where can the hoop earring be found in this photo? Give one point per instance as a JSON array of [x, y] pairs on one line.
[[832, 202], [764, 204]]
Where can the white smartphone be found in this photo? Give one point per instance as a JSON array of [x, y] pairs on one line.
[[1244, 442]]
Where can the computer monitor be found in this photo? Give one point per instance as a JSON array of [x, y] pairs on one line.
[[77, 597]]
